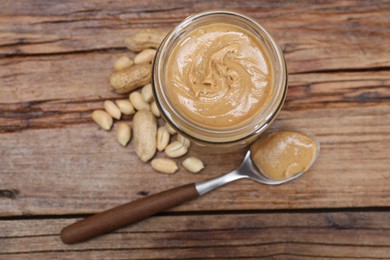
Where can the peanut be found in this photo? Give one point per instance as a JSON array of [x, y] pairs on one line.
[[103, 119], [186, 142], [123, 133], [162, 138], [138, 102], [154, 109], [193, 164], [164, 165], [122, 63], [171, 130], [112, 109], [125, 106], [131, 78], [147, 38], [144, 128], [145, 56], [175, 149], [147, 93]]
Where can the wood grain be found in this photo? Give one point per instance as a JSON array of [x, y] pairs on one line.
[[29, 101], [55, 57], [315, 35], [81, 169], [45, 117], [345, 235]]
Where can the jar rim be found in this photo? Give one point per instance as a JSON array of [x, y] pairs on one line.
[[219, 135]]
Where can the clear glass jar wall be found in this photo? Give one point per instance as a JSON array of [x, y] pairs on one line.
[[233, 138]]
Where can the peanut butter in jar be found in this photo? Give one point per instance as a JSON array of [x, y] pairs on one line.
[[219, 79], [219, 76]]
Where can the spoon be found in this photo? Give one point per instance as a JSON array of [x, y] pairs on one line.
[[140, 209]]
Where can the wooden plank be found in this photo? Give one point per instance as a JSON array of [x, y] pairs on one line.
[[50, 92], [357, 235], [316, 35], [56, 77], [63, 90], [74, 76], [55, 59], [80, 169]]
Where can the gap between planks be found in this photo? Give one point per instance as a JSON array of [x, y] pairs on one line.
[[217, 212]]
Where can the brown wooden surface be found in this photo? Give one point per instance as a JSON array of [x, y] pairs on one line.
[[331, 235], [55, 164]]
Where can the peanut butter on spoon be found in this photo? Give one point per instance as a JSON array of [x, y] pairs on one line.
[[283, 154]]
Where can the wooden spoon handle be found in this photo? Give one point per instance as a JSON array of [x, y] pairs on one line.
[[126, 214]]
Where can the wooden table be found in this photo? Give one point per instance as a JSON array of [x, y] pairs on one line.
[[56, 166]]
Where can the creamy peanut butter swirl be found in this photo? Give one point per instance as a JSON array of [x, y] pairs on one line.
[[219, 75], [283, 154]]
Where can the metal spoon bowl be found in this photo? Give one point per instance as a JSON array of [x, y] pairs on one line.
[[248, 170], [138, 210]]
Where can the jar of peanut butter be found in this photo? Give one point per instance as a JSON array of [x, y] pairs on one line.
[[219, 79]]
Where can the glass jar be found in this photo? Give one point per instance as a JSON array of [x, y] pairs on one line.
[[220, 138]]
